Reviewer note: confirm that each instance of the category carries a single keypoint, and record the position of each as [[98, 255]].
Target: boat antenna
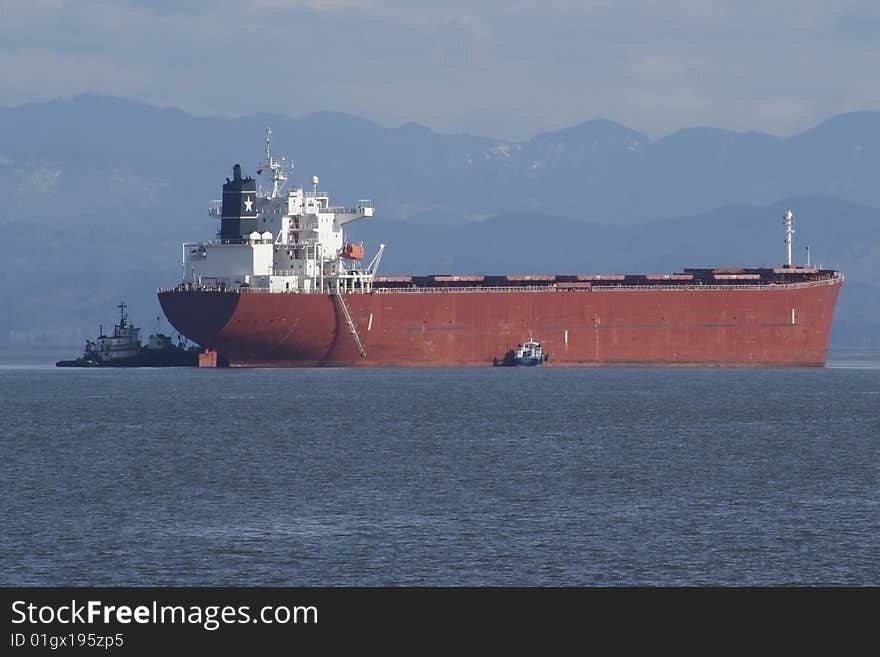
[[788, 223], [808, 255], [277, 167], [122, 316], [268, 144]]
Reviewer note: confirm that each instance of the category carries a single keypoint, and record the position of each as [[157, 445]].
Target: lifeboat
[[353, 251]]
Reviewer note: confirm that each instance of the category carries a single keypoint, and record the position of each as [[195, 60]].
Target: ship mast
[[788, 223], [277, 167]]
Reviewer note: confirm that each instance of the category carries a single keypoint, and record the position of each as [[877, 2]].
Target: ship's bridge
[[299, 244]]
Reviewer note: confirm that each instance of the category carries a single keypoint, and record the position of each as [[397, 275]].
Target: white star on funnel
[[248, 204]]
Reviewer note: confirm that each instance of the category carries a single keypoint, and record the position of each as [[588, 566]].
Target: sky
[[501, 68]]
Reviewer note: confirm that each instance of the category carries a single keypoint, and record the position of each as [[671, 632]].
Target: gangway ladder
[[351, 327]]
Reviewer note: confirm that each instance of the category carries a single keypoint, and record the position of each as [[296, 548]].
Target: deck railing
[[690, 287]]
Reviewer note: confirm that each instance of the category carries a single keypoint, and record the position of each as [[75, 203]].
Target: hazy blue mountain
[[100, 192], [98, 152], [840, 234]]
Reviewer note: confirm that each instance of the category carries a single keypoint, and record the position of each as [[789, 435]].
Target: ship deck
[[689, 280]]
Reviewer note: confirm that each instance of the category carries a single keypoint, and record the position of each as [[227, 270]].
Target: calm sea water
[[441, 477]]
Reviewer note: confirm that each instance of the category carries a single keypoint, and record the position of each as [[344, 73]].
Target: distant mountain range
[[597, 171], [100, 192]]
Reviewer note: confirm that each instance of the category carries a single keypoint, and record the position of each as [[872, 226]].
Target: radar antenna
[[279, 168], [788, 223]]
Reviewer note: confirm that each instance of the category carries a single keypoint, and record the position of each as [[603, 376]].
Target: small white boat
[[529, 353]]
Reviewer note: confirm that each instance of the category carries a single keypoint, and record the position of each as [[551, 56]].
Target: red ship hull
[[761, 325]]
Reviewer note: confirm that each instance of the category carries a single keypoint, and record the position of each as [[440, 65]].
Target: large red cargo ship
[[281, 287]]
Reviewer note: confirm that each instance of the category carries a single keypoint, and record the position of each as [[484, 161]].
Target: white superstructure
[[280, 239], [124, 343]]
